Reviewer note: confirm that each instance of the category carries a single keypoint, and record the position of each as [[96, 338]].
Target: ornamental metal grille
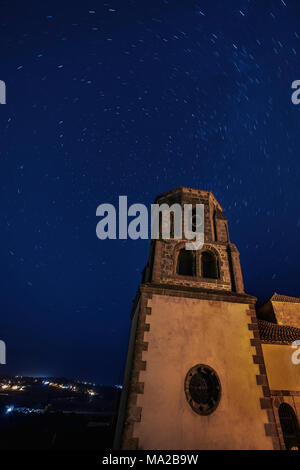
[[290, 426], [202, 389]]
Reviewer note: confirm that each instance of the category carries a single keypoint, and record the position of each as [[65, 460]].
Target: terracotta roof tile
[[273, 333], [284, 298]]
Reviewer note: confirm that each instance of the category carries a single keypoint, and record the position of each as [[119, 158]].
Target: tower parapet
[[216, 266]]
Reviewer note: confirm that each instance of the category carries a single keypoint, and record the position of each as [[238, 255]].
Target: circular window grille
[[202, 389]]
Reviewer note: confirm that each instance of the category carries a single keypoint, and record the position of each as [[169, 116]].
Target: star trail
[[135, 98]]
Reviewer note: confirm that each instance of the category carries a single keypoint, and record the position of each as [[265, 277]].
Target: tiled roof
[[273, 333], [284, 298]]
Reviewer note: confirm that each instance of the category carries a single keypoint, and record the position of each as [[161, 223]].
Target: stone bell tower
[[195, 375]]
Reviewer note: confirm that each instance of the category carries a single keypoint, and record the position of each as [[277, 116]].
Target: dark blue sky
[[135, 98]]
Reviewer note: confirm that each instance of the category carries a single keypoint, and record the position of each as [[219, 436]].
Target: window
[[209, 265], [290, 426], [197, 221], [202, 389], [185, 263]]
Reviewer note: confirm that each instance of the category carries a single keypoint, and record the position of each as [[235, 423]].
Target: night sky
[[136, 98]]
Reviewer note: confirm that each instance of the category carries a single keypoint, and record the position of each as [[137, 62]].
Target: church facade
[[205, 370]]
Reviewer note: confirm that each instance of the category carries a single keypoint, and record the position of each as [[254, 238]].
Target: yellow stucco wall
[[282, 373], [185, 332], [287, 313]]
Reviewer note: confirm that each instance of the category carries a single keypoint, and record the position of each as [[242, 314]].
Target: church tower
[[195, 376]]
